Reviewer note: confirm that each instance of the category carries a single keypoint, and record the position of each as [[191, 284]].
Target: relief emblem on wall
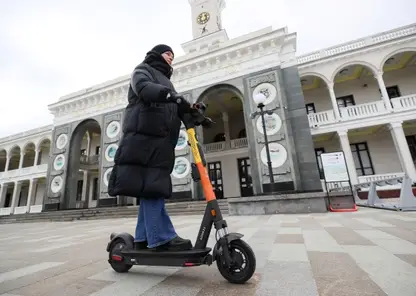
[[182, 140], [61, 141], [181, 167], [56, 184], [273, 124], [113, 129], [266, 89], [278, 155], [59, 162], [110, 152]]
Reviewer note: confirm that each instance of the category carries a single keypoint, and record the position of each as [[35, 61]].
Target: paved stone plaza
[[370, 252]]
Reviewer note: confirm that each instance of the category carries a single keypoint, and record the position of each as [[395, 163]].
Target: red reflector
[[116, 258], [189, 264]]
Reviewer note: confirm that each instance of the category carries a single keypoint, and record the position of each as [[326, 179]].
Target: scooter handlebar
[[194, 115]]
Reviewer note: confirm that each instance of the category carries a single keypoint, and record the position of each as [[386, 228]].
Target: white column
[[89, 140], [349, 159], [3, 192], [16, 193], [334, 101], [22, 155], [402, 148], [85, 188], [32, 184], [35, 163], [6, 168], [225, 120], [382, 86]]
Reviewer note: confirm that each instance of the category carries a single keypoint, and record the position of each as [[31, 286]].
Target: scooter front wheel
[[115, 260], [243, 266]]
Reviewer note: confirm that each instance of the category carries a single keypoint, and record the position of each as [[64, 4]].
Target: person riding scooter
[[146, 154]]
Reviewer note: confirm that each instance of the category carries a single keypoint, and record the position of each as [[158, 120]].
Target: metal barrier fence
[[405, 202]]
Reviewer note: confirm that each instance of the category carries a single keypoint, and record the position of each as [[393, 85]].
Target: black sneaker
[[177, 244], [140, 246]]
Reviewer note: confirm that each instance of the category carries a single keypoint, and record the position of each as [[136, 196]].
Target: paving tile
[[321, 241], [393, 275], [346, 236], [288, 252], [338, 274], [310, 223], [289, 239], [389, 242], [287, 278], [289, 230], [410, 225], [409, 258], [402, 233]]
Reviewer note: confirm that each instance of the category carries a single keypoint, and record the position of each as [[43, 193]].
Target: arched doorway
[[82, 185], [399, 72], [29, 151], [225, 143], [14, 156], [3, 160], [357, 91]]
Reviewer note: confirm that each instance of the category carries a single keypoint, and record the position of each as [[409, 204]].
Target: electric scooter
[[234, 257]]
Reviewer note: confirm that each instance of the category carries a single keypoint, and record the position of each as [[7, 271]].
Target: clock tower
[[206, 16]]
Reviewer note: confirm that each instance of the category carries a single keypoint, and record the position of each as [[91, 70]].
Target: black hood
[[156, 61]]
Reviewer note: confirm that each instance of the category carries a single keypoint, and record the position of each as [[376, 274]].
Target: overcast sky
[[50, 48]]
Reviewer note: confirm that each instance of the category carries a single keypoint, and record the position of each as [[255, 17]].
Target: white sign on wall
[[335, 167]]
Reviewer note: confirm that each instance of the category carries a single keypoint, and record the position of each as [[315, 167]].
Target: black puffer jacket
[[146, 153]]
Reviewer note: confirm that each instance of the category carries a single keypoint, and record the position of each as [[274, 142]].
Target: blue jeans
[[153, 223]]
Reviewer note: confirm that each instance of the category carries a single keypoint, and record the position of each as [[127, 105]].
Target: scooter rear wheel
[[116, 248], [244, 264]]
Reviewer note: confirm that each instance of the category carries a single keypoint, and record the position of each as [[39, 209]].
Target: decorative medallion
[[268, 90], [181, 168], [110, 152], [59, 162], [113, 129], [182, 140], [56, 184], [106, 177], [61, 141], [278, 155], [273, 124]]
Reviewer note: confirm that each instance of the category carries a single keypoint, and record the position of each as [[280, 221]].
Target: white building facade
[[358, 97]]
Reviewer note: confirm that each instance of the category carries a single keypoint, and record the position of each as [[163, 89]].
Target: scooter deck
[[160, 258], [195, 253]]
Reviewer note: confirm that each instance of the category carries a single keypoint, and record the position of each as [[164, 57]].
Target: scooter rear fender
[[126, 237]]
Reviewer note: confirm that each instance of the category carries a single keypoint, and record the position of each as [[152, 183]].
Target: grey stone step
[[179, 208]]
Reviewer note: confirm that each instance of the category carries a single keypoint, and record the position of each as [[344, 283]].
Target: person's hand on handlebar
[[183, 104]]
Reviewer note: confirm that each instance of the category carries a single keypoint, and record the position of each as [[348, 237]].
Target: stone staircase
[[174, 209]]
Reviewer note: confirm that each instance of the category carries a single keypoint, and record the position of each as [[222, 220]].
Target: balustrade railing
[[222, 146], [360, 111], [89, 160], [321, 118], [357, 44], [239, 143], [363, 110], [404, 103], [20, 174]]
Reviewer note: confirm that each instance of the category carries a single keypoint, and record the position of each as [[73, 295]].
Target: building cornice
[[40, 131], [372, 41], [242, 56], [252, 52]]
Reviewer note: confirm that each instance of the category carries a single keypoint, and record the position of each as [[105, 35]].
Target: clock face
[[203, 18]]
